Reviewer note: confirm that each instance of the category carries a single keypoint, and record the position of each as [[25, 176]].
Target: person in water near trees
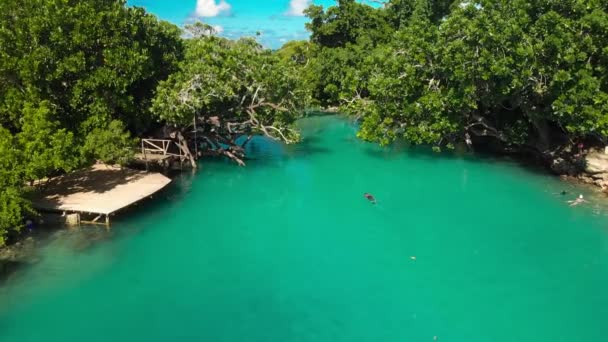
[[29, 224], [577, 201], [370, 197]]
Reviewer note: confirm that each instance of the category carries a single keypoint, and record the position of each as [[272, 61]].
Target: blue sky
[[278, 20]]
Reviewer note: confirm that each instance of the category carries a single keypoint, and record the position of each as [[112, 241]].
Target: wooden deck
[[152, 157], [165, 150], [100, 189]]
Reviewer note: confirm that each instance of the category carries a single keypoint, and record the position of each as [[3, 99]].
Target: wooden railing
[[158, 146], [161, 147]]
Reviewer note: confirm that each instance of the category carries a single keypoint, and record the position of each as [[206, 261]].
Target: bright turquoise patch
[[287, 249]]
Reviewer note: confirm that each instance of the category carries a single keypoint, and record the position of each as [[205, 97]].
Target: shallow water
[[287, 249]]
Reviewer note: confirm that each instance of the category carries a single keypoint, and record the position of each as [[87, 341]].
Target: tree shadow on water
[[267, 152], [426, 153]]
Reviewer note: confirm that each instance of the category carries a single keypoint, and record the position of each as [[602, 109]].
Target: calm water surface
[[287, 249]]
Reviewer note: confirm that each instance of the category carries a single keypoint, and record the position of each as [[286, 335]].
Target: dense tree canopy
[[74, 76], [523, 73], [231, 89], [78, 79], [341, 37], [93, 61], [346, 23]]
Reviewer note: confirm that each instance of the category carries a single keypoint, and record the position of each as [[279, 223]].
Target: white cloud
[[218, 29], [209, 8], [297, 7]]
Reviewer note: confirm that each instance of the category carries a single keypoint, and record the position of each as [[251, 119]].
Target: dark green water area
[[458, 248]]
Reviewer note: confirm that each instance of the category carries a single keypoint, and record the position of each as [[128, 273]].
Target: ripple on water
[[288, 249]]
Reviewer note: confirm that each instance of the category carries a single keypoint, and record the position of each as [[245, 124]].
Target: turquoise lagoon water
[[287, 249]]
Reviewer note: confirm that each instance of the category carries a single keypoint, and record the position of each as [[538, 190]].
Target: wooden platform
[[100, 189], [152, 157], [164, 151]]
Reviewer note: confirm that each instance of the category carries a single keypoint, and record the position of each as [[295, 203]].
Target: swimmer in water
[[577, 201], [370, 197], [29, 225], [564, 192]]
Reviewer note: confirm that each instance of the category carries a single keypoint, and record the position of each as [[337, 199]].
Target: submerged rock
[[21, 252], [14, 256]]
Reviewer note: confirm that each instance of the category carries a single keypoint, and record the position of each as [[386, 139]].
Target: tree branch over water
[[229, 89]]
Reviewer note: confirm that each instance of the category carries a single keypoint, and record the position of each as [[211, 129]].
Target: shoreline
[[26, 250], [23, 247], [589, 167], [16, 256], [23, 251]]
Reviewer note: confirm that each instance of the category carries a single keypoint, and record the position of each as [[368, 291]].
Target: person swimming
[[577, 201], [564, 192], [370, 197], [29, 224]]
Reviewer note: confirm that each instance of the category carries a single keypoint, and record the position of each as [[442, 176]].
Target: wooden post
[[143, 151], [108, 220], [183, 145], [72, 219]]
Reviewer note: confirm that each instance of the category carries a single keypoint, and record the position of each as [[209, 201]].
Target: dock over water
[[165, 151], [98, 190]]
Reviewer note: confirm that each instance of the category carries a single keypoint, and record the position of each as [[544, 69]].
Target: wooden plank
[[100, 189], [153, 157], [184, 148], [156, 147], [156, 140]]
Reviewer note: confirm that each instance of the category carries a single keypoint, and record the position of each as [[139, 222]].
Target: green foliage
[[331, 85], [12, 205], [449, 70], [402, 12], [296, 51], [346, 23], [237, 81], [111, 144], [47, 149], [78, 78], [75, 78], [93, 60], [343, 36], [199, 29], [11, 163]]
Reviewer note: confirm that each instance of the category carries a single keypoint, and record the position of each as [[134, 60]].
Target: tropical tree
[[12, 205], [92, 61], [76, 78], [229, 89], [524, 74]]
